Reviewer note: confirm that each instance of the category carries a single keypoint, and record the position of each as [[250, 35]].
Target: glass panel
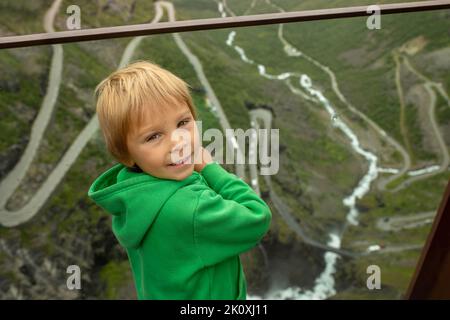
[[363, 118]]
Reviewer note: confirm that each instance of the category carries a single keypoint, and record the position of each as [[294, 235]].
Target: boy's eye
[[186, 121], [152, 137]]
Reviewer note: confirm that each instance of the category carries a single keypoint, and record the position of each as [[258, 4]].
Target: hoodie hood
[[134, 199]]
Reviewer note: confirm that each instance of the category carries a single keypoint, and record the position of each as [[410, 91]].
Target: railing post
[[431, 279]]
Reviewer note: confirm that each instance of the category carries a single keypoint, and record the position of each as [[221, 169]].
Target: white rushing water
[[324, 284]]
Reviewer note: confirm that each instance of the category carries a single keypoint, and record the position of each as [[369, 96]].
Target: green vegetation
[[442, 110], [12, 11], [115, 275], [405, 201], [21, 93], [416, 136], [397, 268]]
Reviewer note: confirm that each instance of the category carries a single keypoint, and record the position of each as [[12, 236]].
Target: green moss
[[30, 11], [27, 95], [442, 110], [91, 69], [396, 182], [415, 135], [114, 275]]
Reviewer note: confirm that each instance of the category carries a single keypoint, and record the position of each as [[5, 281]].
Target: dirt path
[[431, 106], [401, 98], [398, 223], [14, 177]]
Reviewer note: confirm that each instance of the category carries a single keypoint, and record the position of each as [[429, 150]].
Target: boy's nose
[[178, 148]]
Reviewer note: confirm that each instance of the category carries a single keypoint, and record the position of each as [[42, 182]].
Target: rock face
[[287, 265], [10, 156], [34, 264]]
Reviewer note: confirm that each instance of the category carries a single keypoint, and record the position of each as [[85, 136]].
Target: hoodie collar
[[134, 200]]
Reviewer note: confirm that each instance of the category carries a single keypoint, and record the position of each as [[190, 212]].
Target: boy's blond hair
[[124, 96]]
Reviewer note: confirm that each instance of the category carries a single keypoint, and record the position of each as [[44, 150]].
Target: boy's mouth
[[182, 162]]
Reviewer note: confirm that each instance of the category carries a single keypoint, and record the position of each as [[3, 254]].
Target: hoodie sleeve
[[230, 218]]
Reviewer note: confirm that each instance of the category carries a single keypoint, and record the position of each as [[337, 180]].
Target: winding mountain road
[[9, 184]]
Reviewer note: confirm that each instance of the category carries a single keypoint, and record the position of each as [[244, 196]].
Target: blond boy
[[182, 219]]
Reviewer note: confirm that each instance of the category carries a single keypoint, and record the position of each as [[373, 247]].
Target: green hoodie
[[183, 238]]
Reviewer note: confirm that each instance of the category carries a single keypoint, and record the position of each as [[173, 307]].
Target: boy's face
[[159, 142]]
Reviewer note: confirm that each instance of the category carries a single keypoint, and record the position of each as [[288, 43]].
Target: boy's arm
[[230, 218]]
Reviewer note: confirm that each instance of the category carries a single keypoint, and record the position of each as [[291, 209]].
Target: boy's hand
[[206, 158]]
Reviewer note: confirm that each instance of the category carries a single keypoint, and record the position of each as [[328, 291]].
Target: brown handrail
[[431, 279], [215, 23]]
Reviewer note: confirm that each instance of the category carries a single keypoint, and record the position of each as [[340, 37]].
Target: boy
[[182, 225]]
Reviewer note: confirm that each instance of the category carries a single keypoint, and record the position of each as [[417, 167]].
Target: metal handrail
[[215, 23]]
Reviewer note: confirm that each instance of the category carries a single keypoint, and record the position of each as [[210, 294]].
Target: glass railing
[[361, 108]]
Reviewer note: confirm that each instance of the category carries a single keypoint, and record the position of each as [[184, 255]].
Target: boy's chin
[[180, 173]]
